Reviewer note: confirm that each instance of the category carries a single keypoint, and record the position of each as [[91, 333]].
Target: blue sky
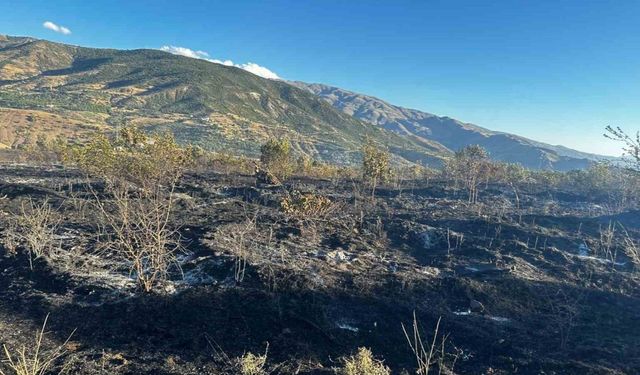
[[556, 71]]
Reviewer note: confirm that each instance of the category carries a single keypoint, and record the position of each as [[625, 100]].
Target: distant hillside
[[212, 105], [450, 133], [49, 89]]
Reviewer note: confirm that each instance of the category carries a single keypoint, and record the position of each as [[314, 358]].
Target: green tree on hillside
[[276, 157], [472, 166], [375, 164]]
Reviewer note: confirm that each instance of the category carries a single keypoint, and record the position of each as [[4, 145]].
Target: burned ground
[[525, 290]]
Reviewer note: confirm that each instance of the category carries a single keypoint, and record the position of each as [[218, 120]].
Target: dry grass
[[36, 361], [10, 239], [631, 248], [363, 363], [253, 364]]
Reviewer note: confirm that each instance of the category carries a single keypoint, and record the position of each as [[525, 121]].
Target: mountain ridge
[[451, 133], [225, 108]]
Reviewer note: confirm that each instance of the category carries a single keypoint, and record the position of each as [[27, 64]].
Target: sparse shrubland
[[533, 275], [532, 271]]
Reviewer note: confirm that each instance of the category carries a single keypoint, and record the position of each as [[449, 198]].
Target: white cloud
[[185, 52], [249, 67], [258, 70], [57, 28]]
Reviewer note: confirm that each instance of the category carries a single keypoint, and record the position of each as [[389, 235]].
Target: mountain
[[49, 88], [451, 133]]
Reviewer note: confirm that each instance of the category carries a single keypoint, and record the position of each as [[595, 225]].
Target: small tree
[[375, 165], [276, 157], [472, 166]]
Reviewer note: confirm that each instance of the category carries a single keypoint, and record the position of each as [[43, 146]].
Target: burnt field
[[533, 280]]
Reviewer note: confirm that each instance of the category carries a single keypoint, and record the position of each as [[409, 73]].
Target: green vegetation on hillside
[[147, 87]]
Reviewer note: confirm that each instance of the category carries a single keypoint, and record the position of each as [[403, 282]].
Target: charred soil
[[532, 289]]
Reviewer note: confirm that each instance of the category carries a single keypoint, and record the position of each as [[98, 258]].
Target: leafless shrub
[[564, 306], [140, 232], [432, 355], [240, 240], [631, 143], [78, 201], [38, 225], [34, 361], [34, 228]]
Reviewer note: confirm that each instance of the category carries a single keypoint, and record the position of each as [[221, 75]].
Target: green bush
[[276, 157], [375, 165]]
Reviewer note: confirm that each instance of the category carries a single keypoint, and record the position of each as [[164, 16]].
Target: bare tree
[[430, 355], [631, 142]]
